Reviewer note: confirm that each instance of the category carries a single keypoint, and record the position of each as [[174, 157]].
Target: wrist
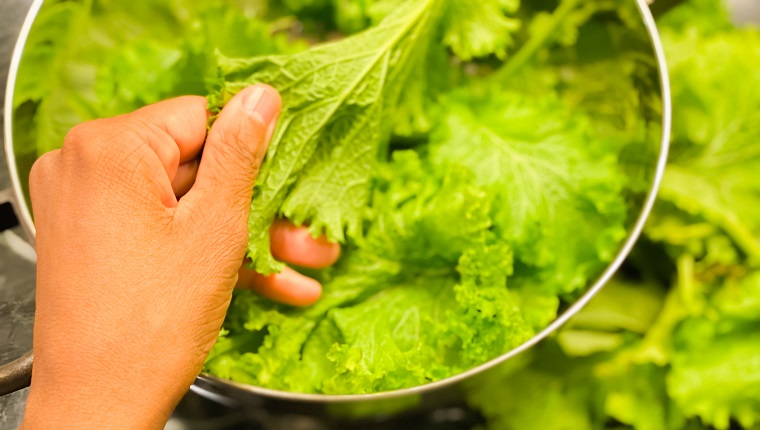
[[98, 372], [98, 401]]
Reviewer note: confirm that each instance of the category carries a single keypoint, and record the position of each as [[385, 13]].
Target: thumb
[[234, 149]]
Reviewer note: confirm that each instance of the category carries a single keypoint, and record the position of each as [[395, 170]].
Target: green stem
[[720, 215], [536, 42]]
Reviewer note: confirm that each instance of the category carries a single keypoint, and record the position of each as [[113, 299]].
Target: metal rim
[[612, 268], [18, 201]]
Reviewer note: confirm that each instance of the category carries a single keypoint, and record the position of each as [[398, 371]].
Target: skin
[[140, 242]]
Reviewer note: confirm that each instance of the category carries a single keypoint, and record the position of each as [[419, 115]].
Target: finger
[[234, 149], [118, 151], [184, 119], [175, 129], [295, 245], [185, 177], [288, 287]]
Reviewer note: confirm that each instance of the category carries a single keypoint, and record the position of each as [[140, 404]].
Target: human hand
[[133, 283], [292, 245]]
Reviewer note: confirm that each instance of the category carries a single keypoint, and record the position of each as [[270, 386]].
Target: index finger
[[175, 129], [184, 119]]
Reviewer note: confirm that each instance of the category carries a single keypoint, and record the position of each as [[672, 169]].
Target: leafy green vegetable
[[470, 157], [417, 297], [715, 132], [439, 290], [525, 151], [673, 344], [335, 96], [94, 58], [469, 29]]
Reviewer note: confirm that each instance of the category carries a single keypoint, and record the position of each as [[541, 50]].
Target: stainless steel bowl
[[356, 407]]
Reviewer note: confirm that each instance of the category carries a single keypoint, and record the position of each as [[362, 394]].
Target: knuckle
[[108, 153], [91, 141], [79, 135], [84, 144], [42, 168]]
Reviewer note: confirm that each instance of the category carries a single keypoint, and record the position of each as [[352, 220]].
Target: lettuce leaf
[[414, 300], [558, 186], [469, 209], [88, 59], [331, 131], [469, 29], [715, 152], [673, 343]]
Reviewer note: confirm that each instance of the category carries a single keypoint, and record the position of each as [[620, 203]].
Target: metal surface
[[22, 209], [17, 268], [745, 11], [16, 374], [393, 402]]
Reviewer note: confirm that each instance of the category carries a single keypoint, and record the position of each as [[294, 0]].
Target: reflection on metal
[[16, 374], [22, 209], [745, 11], [18, 245]]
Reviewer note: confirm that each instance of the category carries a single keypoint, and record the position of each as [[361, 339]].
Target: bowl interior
[[642, 158]]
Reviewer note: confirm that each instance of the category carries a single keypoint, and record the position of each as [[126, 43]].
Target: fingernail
[[263, 101]]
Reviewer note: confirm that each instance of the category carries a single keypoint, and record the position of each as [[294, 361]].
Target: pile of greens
[[480, 161], [674, 343]]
